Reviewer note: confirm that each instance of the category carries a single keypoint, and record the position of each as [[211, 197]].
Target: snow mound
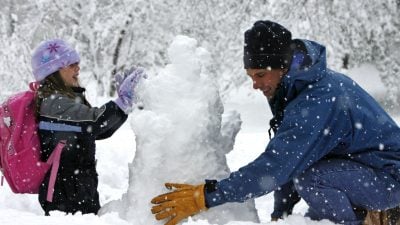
[[182, 136]]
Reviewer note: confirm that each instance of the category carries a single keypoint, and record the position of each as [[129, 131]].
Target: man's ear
[[284, 71]]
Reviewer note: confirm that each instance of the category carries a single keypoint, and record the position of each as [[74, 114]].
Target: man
[[334, 146]]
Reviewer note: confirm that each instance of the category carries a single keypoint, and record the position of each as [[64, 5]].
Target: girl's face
[[70, 75]]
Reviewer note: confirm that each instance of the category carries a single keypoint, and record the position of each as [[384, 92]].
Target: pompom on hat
[[50, 56], [267, 44]]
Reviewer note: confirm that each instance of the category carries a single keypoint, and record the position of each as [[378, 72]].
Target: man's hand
[[184, 201]]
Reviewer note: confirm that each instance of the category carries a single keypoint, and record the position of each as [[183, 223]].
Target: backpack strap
[[54, 160], [6, 121], [4, 133]]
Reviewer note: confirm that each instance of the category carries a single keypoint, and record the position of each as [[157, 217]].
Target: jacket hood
[[311, 68]]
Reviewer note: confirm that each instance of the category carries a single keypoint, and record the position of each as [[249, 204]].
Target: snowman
[[182, 135]]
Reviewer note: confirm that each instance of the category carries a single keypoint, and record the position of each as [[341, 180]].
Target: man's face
[[266, 80]]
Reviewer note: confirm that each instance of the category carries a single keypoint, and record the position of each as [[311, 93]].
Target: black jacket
[[63, 118]]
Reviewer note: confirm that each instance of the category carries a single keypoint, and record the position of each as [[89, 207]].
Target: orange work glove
[[186, 200]]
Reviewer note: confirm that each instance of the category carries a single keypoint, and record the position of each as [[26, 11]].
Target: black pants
[[73, 192]]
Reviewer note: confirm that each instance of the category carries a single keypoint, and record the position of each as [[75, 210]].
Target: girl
[[64, 113]]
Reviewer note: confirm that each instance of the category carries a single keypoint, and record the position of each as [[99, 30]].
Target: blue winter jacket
[[327, 115]]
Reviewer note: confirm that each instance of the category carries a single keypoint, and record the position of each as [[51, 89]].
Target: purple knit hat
[[50, 56]]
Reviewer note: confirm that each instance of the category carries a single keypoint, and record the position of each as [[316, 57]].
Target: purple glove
[[126, 85], [120, 77]]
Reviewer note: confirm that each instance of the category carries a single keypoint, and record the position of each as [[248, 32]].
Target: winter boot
[[384, 217]]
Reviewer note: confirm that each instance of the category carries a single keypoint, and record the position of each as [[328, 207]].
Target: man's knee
[[324, 172]]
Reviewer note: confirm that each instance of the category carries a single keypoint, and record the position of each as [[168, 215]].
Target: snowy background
[[362, 41], [112, 35]]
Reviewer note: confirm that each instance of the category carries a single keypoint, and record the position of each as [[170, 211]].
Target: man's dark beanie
[[267, 44]]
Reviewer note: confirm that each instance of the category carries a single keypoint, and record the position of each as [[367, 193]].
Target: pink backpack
[[20, 146]]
